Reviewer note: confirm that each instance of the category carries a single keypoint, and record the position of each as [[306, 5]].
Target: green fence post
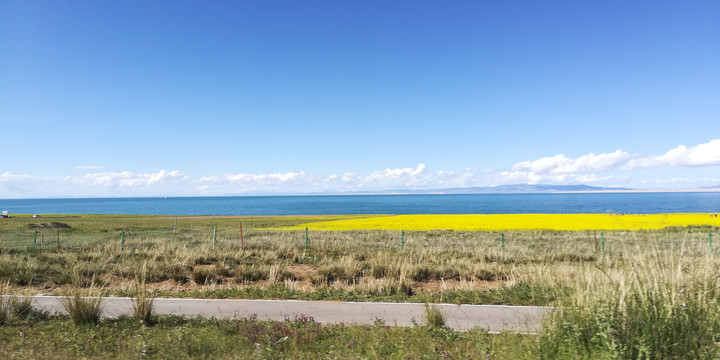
[[502, 241], [709, 241], [34, 239], [122, 241], [402, 239], [306, 237], [602, 242], [214, 234]]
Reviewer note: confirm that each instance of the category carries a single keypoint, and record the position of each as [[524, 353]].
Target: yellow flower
[[514, 222]]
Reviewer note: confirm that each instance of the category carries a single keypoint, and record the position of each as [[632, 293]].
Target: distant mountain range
[[525, 188], [502, 189]]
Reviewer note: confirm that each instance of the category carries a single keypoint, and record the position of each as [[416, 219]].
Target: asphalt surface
[[495, 318]]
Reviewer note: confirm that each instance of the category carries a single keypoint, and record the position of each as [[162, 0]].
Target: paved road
[[459, 317]]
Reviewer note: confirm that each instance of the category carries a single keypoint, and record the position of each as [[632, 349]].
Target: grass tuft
[[143, 300], [434, 317], [662, 308], [83, 309]]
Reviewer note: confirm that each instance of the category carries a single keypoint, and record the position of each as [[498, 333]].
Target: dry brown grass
[[365, 261]]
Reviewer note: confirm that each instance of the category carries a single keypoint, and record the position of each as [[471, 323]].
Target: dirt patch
[[436, 286], [302, 271], [302, 274]]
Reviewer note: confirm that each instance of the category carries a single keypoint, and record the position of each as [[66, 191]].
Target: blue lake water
[[631, 203]]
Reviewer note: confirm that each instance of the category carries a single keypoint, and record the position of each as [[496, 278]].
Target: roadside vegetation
[[300, 338], [618, 294]]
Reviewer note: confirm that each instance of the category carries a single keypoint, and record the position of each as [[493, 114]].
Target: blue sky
[[145, 98]]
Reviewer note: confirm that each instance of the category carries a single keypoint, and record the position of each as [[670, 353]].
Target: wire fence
[[696, 241]]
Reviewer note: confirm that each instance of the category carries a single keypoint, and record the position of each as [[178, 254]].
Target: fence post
[[214, 233], [602, 242], [306, 237], [34, 239], [122, 241], [710, 241], [175, 227], [597, 245], [242, 242], [403, 240], [502, 241], [58, 238]]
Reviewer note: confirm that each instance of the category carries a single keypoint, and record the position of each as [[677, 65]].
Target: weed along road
[[459, 317]]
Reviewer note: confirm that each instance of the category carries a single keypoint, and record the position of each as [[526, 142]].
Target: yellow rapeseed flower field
[[570, 222]]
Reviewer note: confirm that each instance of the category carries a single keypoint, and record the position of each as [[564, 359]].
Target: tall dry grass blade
[[434, 317], [82, 307], [143, 301]]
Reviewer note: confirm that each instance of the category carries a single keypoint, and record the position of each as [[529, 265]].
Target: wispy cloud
[[94, 184], [303, 182], [128, 179], [244, 183]]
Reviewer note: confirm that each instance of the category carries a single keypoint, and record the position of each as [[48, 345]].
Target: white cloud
[[561, 164], [243, 183], [8, 176], [276, 178], [394, 177], [605, 169], [128, 179], [404, 174], [303, 182], [707, 154], [563, 169]]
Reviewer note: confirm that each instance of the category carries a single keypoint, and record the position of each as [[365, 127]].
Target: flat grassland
[[624, 286]]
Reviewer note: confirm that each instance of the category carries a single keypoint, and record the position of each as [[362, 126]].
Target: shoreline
[[393, 193]]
